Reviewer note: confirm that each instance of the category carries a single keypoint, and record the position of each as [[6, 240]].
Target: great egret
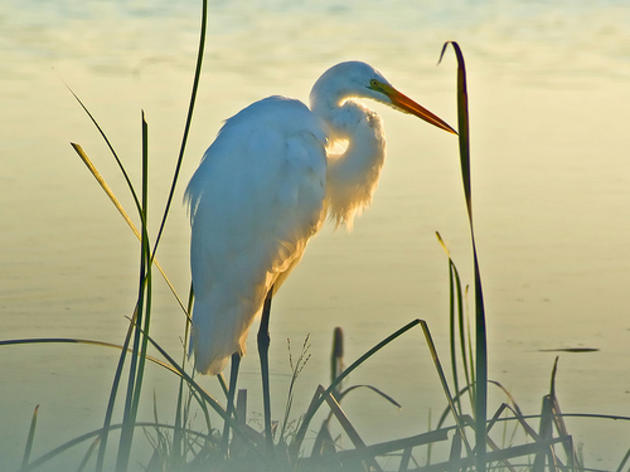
[[264, 187]]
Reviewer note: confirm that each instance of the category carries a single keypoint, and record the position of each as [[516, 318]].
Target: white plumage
[[264, 187]]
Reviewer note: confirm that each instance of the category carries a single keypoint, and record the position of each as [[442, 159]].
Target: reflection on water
[[549, 96]]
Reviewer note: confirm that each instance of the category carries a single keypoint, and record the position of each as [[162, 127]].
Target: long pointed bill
[[406, 104]]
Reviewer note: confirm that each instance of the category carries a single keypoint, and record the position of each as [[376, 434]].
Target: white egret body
[[265, 186]]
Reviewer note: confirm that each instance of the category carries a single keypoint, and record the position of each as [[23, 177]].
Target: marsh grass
[[472, 439]]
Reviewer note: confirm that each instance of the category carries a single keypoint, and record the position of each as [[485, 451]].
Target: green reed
[[481, 348]]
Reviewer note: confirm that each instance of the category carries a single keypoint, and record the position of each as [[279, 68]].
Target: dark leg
[[263, 351], [236, 361]]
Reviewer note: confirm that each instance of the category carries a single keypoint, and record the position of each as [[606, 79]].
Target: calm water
[[549, 101]]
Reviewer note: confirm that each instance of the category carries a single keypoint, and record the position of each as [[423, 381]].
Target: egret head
[[358, 79]]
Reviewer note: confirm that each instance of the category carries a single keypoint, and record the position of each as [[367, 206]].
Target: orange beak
[[406, 104]]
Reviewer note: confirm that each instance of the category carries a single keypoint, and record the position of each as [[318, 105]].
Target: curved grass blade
[[98, 433], [143, 311], [462, 123], [379, 392], [481, 354], [172, 366], [191, 107], [11, 342]]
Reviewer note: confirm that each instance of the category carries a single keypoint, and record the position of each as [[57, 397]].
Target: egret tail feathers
[[216, 337]]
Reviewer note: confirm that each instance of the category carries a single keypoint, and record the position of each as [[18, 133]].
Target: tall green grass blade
[[138, 312], [148, 276], [100, 458], [136, 368], [463, 125], [481, 354], [189, 115], [30, 438], [191, 107]]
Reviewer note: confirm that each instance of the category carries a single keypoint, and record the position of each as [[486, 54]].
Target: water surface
[[548, 96]]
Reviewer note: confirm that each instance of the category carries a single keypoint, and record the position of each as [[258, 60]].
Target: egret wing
[[255, 200]]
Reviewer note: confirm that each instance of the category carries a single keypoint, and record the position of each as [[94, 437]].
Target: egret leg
[[236, 361], [263, 351]]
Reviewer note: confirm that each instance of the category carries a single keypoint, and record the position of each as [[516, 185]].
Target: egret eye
[[375, 85]]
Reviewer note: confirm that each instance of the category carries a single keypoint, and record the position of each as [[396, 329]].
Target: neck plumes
[[352, 175]]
